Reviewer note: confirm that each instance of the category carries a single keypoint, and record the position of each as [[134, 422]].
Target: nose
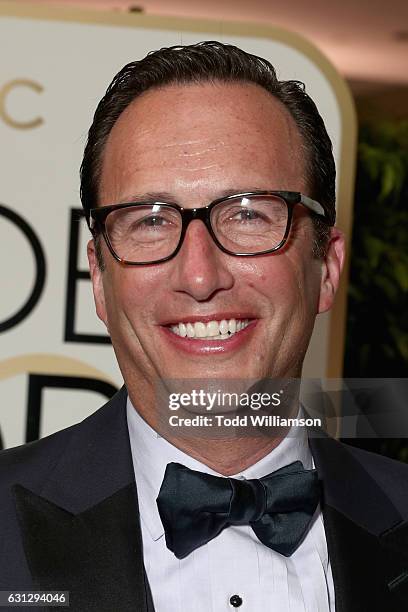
[[200, 267]]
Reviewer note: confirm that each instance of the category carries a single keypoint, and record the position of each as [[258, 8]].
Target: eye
[[243, 216], [151, 221], [246, 214]]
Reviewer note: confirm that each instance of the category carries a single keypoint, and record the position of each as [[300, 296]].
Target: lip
[[218, 316], [202, 346]]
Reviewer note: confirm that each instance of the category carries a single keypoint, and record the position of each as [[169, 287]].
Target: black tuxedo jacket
[[69, 520]]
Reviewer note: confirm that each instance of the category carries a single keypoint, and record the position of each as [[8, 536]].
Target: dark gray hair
[[205, 62]]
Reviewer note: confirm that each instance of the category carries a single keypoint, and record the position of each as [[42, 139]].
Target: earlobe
[[332, 266], [97, 282]]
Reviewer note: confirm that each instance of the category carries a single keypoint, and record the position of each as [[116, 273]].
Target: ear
[[332, 265], [97, 282]]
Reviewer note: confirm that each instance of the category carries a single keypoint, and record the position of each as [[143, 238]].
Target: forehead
[[202, 133]]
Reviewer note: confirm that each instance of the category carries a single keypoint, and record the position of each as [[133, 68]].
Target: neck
[[227, 457], [226, 450]]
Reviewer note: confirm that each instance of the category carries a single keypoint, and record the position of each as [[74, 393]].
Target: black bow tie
[[195, 507]]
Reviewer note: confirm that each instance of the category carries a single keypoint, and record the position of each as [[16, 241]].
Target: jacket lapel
[[81, 531], [366, 537]]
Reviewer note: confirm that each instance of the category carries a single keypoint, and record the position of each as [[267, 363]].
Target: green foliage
[[377, 320], [377, 329]]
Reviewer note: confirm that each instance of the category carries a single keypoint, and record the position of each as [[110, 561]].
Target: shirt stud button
[[236, 601]]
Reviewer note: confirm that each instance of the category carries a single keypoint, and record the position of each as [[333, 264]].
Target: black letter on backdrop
[[36, 384], [74, 275], [38, 286]]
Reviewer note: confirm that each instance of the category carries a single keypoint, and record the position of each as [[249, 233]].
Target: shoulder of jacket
[[389, 474], [34, 456]]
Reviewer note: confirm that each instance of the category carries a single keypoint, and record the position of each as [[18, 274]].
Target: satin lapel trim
[[368, 572], [96, 555], [353, 554], [395, 542]]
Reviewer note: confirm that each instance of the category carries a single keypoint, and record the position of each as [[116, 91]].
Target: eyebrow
[[167, 197], [149, 196]]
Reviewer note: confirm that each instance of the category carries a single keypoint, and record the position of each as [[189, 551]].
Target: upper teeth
[[214, 330]]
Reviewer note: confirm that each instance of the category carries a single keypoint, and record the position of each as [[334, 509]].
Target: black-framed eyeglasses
[[243, 224]]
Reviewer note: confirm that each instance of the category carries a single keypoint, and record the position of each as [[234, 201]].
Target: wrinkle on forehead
[[191, 143], [195, 151]]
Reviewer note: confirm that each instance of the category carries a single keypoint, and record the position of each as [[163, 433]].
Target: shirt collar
[[151, 453]]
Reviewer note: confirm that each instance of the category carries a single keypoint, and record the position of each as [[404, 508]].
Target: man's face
[[192, 144]]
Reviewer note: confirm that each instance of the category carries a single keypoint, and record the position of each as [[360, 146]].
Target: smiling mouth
[[213, 330]]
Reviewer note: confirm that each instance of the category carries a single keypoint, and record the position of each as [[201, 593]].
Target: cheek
[[131, 294], [288, 283], [272, 275], [263, 279]]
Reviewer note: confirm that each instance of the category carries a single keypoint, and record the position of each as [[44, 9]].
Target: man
[[208, 186]]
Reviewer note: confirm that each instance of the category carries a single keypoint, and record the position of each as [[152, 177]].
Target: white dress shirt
[[235, 562]]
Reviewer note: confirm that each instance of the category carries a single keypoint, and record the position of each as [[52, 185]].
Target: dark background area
[[377, 313]]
